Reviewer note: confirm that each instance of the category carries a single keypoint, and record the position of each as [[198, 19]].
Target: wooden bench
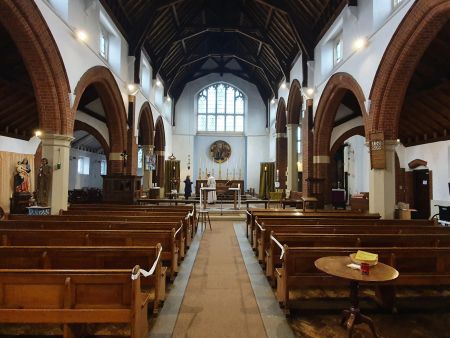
[[418, 266], [294, 213], [115, 222], [56, 224], [40, 237], [264, 230], [73, 298], [74, 258], [278, 240]]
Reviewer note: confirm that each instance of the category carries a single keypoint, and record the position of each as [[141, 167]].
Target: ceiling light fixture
[[38, 133], [309, 91], [158, 83], [283, 85], [360, 43]]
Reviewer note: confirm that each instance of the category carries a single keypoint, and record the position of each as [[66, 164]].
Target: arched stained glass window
[[220, 107]]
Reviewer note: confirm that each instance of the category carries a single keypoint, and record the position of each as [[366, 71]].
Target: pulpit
[[121, 188]]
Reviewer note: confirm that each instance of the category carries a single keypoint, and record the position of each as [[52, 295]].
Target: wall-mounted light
[[168, 99], [360, 43], [81, 35], [38, 133], [272, 101], [132, 88], [283, 85], [309, 92], [158, 83]]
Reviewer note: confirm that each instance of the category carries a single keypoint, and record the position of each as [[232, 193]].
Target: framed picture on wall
[[150, 162]]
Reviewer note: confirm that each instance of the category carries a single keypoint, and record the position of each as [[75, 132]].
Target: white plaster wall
[[357, 164], [255, 139], [373, 19], [100, 126], [19, 146], [94, 179], [437, 155], [78, 56], [342, 128]]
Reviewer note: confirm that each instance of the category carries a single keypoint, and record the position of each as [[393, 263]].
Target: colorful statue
[[22, 177]]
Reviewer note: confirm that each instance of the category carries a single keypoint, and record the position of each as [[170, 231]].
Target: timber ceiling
[[18, 111], [426, 112], [264, 37]]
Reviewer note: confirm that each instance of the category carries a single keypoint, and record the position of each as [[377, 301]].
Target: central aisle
[[219, 299]]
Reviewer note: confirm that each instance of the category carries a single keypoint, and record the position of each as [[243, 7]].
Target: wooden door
[[421, 193]]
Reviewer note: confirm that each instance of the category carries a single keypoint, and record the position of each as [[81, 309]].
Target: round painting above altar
[[220, 151]]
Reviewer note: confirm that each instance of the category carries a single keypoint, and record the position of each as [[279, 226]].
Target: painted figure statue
[[43, 183], [22, 176]]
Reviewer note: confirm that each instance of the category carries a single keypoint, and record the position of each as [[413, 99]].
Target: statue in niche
[[22, 176], [43, 183]]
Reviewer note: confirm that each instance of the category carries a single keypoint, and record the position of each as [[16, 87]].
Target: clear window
[[220, 107], [299, 140], [103, 167], [337, 50], [83, 165], [104, 43]]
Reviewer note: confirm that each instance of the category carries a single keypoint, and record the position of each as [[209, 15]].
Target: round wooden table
[[337, 266]]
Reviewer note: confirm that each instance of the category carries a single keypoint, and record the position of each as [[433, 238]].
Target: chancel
[[160, 160]]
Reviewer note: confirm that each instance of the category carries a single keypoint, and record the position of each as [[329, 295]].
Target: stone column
[[292, 168], [281, 158], [382, 185], [56, 148], [147, 180], [132, 146]]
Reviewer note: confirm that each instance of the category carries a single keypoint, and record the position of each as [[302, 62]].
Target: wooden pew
[[187, 225], [82, 258], [261, 235], [252, 214], [40, 237], [48, 296], [278, 240], [54, 223], [418, 266]]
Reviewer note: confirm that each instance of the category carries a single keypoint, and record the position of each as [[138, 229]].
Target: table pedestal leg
[[353, 316]]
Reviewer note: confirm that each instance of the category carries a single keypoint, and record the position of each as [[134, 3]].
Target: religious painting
[[150, 162], [220, 151]]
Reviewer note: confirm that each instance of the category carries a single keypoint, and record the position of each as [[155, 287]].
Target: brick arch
[[280, 124], [281, 143], [160, 146], [146, 124], [413, 36], [294, 104], [30, 33], [359, 130], [106, 86], [349, 133], [331, 98], [79, 125]]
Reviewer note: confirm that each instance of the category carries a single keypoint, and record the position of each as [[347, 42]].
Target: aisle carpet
[[219, 300]]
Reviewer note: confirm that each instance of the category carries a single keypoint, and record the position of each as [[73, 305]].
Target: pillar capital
[[280, 135], [56, 140], [321, 159]]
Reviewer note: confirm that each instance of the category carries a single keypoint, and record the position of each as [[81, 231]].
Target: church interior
[[240, 168]]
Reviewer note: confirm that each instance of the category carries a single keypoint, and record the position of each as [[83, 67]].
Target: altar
[[222, 187]]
